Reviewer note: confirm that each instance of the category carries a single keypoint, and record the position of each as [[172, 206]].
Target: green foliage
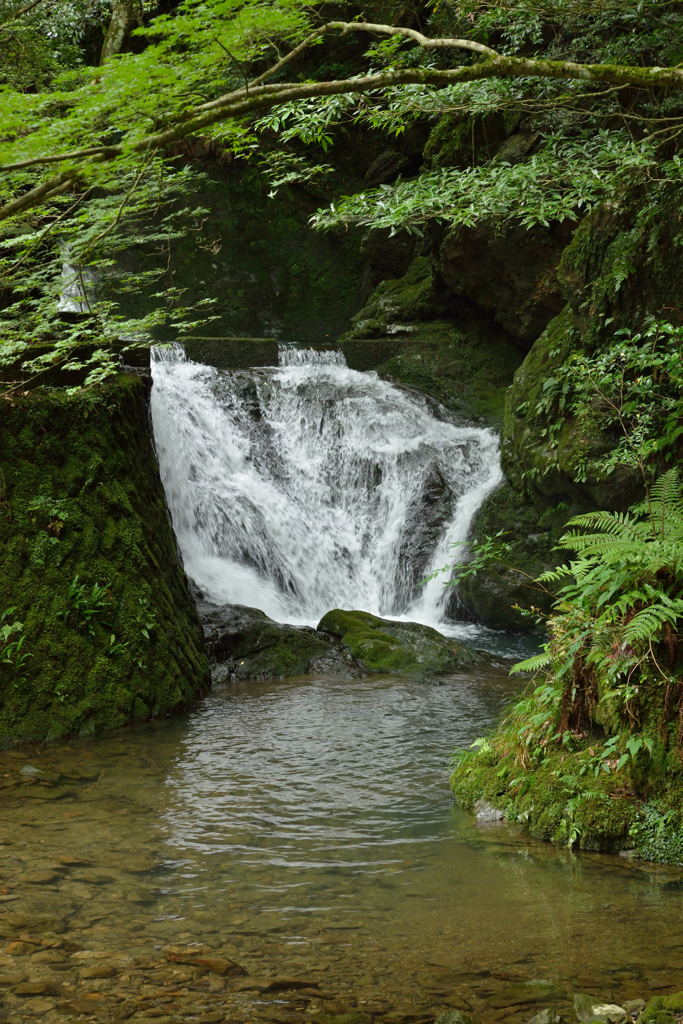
[[88, 605], [12, 642], [658, 834], [140, 199], [630, 390], [38, 44], [561, 182], [621, 602], [481, 555], [591, 753]]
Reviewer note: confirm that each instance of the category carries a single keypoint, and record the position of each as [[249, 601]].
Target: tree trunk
[[124, 15]]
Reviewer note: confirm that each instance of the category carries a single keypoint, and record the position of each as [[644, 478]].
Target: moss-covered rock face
[[89, 569], [663, 1010], [619, 268], [397, 648], [597, 816], [496, 595], [397, 304], [405, 333], [551, 455], [624, 262]]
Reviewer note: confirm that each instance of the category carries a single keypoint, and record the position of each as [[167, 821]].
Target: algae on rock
[[398, 648], [90, 568]]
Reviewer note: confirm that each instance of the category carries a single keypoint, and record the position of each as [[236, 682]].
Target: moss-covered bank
[[99, 625], [609, 786]]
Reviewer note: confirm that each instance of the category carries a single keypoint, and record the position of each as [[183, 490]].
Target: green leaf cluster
[[615, 628], [629, 392]]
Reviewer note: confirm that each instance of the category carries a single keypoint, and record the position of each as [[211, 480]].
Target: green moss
[[577, 792], [663, 1009], [467, 141], [401, 648], [551, 797], [89, 561]]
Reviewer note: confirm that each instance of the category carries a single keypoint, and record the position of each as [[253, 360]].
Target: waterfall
[[311, 486]]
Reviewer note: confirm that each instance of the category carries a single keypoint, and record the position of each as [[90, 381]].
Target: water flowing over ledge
[[310, 486]]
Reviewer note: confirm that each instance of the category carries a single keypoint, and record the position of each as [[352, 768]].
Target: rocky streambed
[[289, 852]]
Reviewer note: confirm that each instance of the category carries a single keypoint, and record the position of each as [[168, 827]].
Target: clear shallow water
[[306, 828]]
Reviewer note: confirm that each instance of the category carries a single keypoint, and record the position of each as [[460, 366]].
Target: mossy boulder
[[243, 643], [89, 568], [555, 802], [397, 648], [407, 333], [398, 303], [663, 1010]]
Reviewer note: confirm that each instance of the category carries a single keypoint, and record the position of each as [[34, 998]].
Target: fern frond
[[646, 623], [532, 664]]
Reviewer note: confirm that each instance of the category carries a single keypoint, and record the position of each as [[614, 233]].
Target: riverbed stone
[[589, 1010], [397, 648], [454, 1017], [546, 1017], [486, 813], [38, 987]]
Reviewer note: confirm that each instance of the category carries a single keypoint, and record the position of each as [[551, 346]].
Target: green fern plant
[[617, 620]]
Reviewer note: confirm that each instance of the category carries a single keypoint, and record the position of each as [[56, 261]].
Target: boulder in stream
[[397, 648], [243, 643]]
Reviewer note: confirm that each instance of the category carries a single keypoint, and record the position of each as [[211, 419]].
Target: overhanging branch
[[259, 94]]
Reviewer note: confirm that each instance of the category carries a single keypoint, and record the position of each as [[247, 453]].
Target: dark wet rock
[[510, 274], [426, 518], [386, 167], [399, 648], [497, 593], [247, 644]]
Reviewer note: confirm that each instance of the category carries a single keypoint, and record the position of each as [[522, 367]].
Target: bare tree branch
[[417, 37]]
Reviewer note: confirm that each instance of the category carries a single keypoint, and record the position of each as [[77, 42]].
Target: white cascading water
[[311, 486]]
